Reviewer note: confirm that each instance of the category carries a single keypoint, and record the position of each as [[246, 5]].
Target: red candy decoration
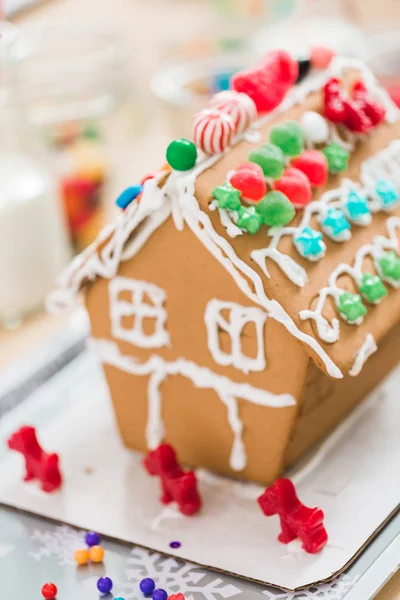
[[39, 465], [359, 113], [313, 163], [49, 591], [321, 57], [296, 186], [176, 484], [249, 179], [177, 597], [268, 83], [297, 520]]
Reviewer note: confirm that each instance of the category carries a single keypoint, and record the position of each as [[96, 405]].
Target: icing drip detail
[[238, 317], [139, 309], [158, 370], [329, 332], [367, 349]]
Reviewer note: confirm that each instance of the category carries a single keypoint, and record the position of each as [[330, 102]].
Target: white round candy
[[315, 127]]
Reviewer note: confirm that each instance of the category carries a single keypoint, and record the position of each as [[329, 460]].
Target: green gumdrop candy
[[270, 158], [275, 209], [337, 157], [289, 137], [181, 155]]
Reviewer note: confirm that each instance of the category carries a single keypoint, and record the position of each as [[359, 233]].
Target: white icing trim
[[139, 309], [104, 263], [367, 349], [330, 332], [239, 316], [159, 369]]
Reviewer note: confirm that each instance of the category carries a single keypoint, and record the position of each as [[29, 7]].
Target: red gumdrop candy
[[321, 57], [268, 83], [296, 186], [249, 179], [313, 163]]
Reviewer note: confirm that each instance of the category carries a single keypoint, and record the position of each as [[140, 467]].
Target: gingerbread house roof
[[267, 266]]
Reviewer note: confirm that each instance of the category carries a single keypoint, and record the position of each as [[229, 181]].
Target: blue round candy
[[128, 196], [147, 585], [104, 585], [92, 539], [119, 598], [159, 594]]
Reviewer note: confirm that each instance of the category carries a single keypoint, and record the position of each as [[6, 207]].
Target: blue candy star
[[309, 243], [387, 193], [336, 224], [357, 206]]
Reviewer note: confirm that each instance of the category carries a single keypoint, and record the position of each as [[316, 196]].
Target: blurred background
[[91, 93]]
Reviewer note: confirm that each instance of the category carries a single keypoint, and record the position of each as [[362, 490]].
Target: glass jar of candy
[[73, 80], [33, 238]]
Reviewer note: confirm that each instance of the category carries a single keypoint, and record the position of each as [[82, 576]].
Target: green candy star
[[351, 307], [337, 157], [389, 264], [372, 288], [249, 219], [227, 196]]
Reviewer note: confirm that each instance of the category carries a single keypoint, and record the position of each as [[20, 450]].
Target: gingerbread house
[[237, 331]]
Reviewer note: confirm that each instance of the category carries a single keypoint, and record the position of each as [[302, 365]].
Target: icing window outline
[[146, 302], [239, 316]]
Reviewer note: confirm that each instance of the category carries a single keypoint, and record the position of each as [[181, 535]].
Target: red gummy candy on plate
[[313, 163], [296, 186], [249, 179], [268, 83]]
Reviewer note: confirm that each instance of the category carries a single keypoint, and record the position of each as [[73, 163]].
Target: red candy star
[[249, 179], [314, 165], [297, 520], [268, 83]]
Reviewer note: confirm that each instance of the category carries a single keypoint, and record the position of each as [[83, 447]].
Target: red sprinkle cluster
[[357, 111]]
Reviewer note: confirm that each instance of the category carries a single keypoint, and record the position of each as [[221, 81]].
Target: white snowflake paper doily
[[174, 576], [61, 542], [334, 590]]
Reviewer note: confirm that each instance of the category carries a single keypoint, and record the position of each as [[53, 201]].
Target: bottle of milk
[[33, 239]]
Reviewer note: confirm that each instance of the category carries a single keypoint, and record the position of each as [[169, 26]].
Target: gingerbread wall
[[196, 419]]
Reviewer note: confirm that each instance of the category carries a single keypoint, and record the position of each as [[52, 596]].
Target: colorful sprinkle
[[372, 288], [81, 556], [96, 554], [179, 596], [147, 585], [49, 591], [128, 196], [175, 545], [159, 594], [181, 155], [351, 308], [92, 539], [104, 585]]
